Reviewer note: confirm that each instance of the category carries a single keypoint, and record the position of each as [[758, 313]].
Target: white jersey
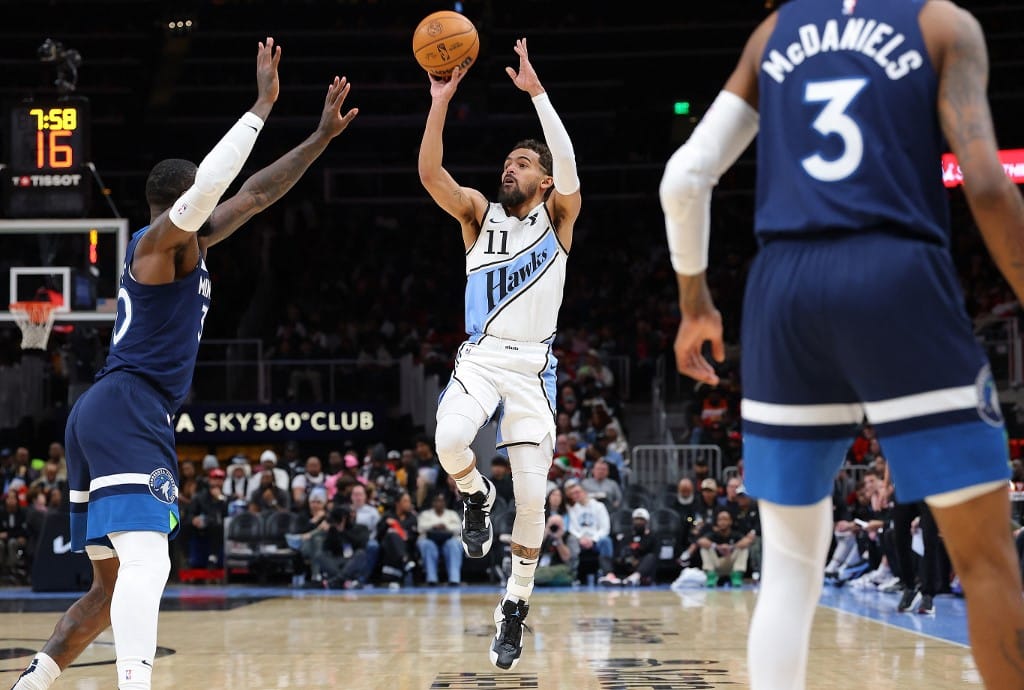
[[515, 272]]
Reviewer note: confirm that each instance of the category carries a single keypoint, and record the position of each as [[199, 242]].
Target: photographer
[[559, 555], [206, 514], [635, 559], [342, 556]]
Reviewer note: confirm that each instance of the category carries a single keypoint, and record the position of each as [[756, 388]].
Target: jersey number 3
[[837, 96]]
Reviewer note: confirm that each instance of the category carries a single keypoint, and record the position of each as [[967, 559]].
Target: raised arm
[[565, 200], [466, 205], [268, 185], [967, 123], [157, 254], [725, 131]]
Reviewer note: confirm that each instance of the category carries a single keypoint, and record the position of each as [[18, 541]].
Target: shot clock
[[48, 149]]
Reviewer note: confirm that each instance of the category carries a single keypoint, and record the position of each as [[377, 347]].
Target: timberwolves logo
[[161, 485], [988, 398]]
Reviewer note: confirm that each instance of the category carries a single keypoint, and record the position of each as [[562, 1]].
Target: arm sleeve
[[563, 159], [722, 135]]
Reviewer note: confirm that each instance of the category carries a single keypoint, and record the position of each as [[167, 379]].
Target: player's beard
[[512, 196]]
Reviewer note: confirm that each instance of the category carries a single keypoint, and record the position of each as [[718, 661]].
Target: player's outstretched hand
[[441, 87], [332, 122], [696, 329], [526, 78], [267, 59]]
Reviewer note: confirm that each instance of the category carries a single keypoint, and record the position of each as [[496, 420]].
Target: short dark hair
[[168, 180], [541, 149]]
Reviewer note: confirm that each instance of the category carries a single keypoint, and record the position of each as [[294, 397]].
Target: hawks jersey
[[850, 137], [515, 272], [158, 328]]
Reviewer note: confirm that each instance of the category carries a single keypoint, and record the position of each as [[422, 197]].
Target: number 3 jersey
[[515, 272], [158, 328], [849, 135]]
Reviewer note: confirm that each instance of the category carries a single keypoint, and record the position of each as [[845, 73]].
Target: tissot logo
[[46, 180]]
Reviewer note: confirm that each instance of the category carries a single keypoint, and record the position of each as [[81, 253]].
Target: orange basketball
[[445, 40]]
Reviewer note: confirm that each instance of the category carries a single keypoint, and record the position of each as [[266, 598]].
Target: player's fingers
[[277, 55], [718, 348], [349, 116], [343, 94], [511, 72]]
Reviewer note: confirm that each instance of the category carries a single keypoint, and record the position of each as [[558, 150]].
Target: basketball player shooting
[[516, 251], [853, 305], [122, 464]]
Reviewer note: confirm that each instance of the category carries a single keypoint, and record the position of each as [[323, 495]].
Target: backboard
[[76, 260]]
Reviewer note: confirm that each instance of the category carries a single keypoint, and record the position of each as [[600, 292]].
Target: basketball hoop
[[35, 319]]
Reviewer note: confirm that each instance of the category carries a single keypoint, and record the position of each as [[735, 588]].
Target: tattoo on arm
[[523, 552], [962, 101]]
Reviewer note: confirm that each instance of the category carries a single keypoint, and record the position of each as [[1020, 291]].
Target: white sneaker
[[633, 580], [610, 579], [891, 584]]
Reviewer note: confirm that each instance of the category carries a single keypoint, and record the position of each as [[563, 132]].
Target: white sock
[[39, 675], [135, 604], [471, 483], [794, 545], [520, 583]]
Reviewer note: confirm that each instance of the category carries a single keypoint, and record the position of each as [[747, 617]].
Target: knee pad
[[452, 438], [530, 483], [143, 554]]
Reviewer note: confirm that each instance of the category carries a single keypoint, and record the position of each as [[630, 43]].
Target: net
[[35, 319]]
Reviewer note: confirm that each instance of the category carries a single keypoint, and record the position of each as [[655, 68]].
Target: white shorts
[[517, 376]]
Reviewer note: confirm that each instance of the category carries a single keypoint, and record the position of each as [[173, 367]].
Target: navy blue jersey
[[158, 328], [849, 137]]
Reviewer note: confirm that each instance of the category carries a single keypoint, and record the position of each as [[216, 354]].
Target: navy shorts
[[839, 327], [122, 464]]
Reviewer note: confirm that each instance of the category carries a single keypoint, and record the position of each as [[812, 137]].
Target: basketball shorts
[[515, 378], [842, 327], [122, 464]]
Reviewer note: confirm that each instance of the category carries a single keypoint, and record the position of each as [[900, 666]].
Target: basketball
[[445, 40]]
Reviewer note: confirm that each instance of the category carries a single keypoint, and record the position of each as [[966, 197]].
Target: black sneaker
[[927, 605], [909, 600], [476, 522], [507, 646]]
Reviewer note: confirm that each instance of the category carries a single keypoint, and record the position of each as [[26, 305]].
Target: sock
[[520, 583], [471, 483], [39, 675], [135, 604]]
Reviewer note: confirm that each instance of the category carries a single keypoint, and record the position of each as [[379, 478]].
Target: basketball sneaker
[[911, 598], [507, 646], [476, 522], [927, 605]]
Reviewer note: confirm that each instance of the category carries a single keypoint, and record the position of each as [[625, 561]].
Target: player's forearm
[[694, 295], [563, 158], [1000, 217], [272, 182], [262, 108], [432, 146]]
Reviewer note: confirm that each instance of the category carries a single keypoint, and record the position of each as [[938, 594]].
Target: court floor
[[609, 639]]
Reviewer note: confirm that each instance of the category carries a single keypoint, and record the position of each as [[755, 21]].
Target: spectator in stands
[[313, 476], [397, 534], [635, 558], [501, 478], [714, 408], [379, 473], [49, 480], [555, 505], [595, 369], [55, 453], [267, 494], [559, 552], [568, 403], [440, 531], [729, 500], [724, 550], [856, 533], [598, 485], [210, 462], [590, 524], [563, 423], [13, 539], [268, 463], [707, 501], [23, 465], [366, 514], [701, 471], [206, 515], [342, 556], [748, 521], [236, 486], [686, 505], [616, 442], [429, 475]]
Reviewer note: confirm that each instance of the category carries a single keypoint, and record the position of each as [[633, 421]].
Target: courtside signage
[[215, 423], [1012, 160]]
